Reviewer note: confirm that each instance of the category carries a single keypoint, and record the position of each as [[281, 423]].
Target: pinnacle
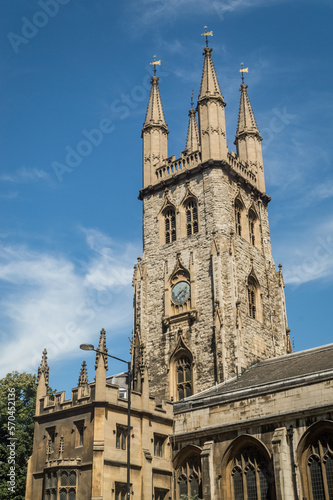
[[246, 121], [209, 83], [83, 378], [103, 349], [155, 114], [192, 143], [43, 368]]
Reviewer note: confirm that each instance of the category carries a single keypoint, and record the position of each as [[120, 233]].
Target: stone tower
[[208, 301]]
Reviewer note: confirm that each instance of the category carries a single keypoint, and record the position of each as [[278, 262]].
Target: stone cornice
[[245, 424]]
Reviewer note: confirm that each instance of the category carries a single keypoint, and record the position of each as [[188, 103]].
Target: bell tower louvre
[[208, 300]]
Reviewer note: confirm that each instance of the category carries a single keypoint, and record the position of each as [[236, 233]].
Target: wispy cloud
[[49, 301], [152, 10], [25, 174], [309, 253]]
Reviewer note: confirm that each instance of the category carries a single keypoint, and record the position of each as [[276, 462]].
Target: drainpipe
[[290, 433]]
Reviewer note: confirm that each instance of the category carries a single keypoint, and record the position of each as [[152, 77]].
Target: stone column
[[208, 484], [282, 465]]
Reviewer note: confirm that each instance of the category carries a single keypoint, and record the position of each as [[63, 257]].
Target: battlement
[[81, 396], [173, 166]]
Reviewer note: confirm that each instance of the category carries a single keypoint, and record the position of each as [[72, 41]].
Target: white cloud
[[308, 256], [48, 301]]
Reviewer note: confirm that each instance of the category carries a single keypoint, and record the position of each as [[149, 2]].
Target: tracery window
[[252, 298], [63, 481], [191, 210], [184, 377], [320, 468], [238, 217], [250, 477], [189, 479], [170, 225], [252, 222]]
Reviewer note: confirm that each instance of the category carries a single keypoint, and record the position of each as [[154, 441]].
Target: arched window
[[248, 471], [238, 217], [319, 467], [184, 377], [72, 478], [170, 225], [250, 476], [63, 495], [252, 298], [191, 210], [189, 477], [64, 478], [252, 228]]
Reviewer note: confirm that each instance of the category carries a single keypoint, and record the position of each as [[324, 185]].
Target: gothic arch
[[253, 226], [167, 221], [189, 214], [253, 297], [315, 459], [187, 466], [181, 371], [247, 464], [239, 213]]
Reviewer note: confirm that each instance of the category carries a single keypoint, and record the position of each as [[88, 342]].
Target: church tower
[[208, 301]]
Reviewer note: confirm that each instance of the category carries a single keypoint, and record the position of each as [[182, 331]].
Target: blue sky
[[70, 233]]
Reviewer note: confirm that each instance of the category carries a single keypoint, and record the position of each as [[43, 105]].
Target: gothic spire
[[212, 130], [248, 139], [102, 348], [155, 114], [209, 83], [246, 121], [43, 369], [154, 133], [83, 378], [192, 143]]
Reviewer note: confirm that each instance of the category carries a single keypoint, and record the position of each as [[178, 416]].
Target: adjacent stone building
[[221, 407]]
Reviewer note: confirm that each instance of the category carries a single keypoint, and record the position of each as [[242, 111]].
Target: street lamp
[[90, 347]]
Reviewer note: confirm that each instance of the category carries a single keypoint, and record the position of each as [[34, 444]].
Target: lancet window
[[170, 225], [191, 210], [184, 377], [253, 297], [251, 294], [238, 217], [252, 222]]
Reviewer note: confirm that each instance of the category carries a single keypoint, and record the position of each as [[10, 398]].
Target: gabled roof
[[270, 375]]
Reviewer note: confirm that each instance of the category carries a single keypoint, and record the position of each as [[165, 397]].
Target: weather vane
[[207, 34], [243, 70], [192, 99], [155, 63]]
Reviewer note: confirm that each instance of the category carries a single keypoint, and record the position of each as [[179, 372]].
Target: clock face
[[180, 292]]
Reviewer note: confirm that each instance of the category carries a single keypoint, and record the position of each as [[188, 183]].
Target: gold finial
[[207, 34], [243, 70], [155, 63]]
